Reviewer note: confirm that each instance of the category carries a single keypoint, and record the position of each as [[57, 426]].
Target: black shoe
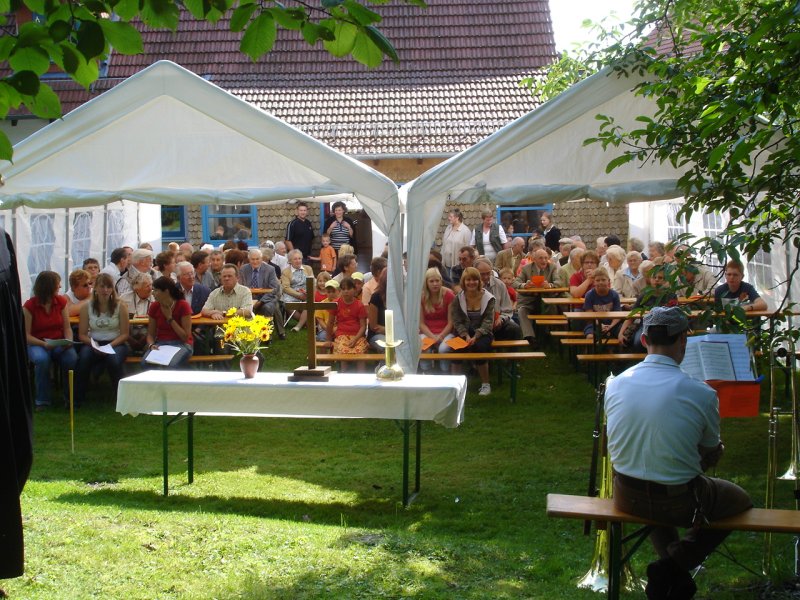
[[281, 336], [532, 342], [667, 581]]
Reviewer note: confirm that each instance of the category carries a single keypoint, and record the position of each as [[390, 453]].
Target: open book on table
[[718, 356]]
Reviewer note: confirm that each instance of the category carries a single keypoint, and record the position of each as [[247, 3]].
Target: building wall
[[590, 219]]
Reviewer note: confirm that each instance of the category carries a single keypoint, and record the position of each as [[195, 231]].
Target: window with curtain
[[115, 231], [81, 237], [43, 237]]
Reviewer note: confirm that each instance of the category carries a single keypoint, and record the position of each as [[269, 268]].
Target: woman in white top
[[104, 321], [489, 238]]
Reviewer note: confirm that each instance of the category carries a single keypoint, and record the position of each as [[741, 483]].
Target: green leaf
[[25, 82], [288, 19], [91, 41], [31, 34], [127, 9], [241, 16], [11, 97], [197, 8], [31, 58], [124, 37], [345, 39], [160, 13], [366, 51], [618, 161], [313, 32], [700, 84], [716, 155], [383, 44], [6, 151], [45, 104], [69, 58], [59, 30], [36, 6], [6, 46], [5, 6], [360, 13], [259, 37]]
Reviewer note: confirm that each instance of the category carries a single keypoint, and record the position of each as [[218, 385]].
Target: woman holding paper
[[49, 335], [472, 313], [435, 324], [103, 329], [169, 326]]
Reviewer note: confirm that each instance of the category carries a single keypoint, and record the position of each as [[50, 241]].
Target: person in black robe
[[16, 442]]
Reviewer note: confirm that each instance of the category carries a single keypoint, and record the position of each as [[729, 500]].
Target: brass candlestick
[[390, 370]]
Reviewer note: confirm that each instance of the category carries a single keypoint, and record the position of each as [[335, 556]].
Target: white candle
[[389, 324]]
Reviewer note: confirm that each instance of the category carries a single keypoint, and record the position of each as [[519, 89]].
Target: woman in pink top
[[170, 322], [435, 322], [47, 328]]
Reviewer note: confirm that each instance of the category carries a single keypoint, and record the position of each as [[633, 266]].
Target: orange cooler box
[[737, 398]]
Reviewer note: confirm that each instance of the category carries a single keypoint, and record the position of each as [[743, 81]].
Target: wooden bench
[[606, 517], [495, 344], [584, 341], [511, 357]]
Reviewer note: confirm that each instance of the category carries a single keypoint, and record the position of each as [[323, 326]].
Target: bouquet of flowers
[[246, 336]]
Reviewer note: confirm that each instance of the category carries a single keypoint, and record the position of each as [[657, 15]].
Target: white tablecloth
[[438, 398]]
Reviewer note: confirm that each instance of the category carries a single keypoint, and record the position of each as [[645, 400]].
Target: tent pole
[[105, 236], [67, 239]]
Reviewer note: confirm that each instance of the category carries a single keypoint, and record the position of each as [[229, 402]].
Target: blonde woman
[[472, 313], [103, 320], [435, 320]]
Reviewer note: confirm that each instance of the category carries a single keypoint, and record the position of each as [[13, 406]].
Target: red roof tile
[[457, 80]]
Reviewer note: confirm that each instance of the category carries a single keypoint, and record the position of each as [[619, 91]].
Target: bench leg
[[614, 559]]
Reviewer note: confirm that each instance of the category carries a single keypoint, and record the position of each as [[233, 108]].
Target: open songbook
[[718, 356]]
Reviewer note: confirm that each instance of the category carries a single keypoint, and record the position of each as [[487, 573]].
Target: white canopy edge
[[168, 136], [539, 158]]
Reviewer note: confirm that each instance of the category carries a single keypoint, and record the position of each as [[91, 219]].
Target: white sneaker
[[485, 390]]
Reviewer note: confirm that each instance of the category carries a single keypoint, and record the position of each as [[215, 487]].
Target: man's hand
[[709, 457]]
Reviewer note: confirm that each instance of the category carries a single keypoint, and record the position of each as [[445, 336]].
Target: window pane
[[81, 237], [42, 241], [522, 220], [225, 228], [116, 225]]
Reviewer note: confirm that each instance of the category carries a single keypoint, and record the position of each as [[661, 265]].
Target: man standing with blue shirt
[[663, 432]]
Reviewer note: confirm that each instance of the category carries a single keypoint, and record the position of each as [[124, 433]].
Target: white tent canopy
[[539, 158], [167, 136]]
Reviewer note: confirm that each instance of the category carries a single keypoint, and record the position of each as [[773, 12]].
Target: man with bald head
[[531, 304], [258, 274], [510, 257]]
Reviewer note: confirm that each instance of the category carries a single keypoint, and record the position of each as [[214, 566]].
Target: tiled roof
[[457, 80]]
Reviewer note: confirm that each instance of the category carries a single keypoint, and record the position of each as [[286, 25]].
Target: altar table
[[178, 395]]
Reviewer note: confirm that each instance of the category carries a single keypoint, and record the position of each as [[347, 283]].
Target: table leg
[[513, 376], [408, 498], [190, 449], [165, 450]]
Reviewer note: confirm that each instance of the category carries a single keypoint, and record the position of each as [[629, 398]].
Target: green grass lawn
[[304, 508]]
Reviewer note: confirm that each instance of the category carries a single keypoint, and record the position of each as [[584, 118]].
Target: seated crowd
[[468, 294]]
